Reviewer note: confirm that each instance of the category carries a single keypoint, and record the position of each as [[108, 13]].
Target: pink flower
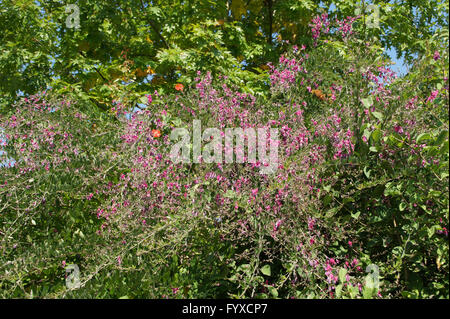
[[311, 223], [424, 162], [149, 98], [350, 243], [277, 225], [436, 55], [433, 95], [398, 129]]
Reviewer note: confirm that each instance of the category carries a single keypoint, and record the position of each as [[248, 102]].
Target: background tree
[[125, 49]]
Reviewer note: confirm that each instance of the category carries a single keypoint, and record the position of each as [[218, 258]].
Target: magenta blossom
[[398, 129], [436, 55], [277, 225], [433, 95]]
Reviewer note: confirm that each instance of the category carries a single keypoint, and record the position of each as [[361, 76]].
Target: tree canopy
[[125, 48]]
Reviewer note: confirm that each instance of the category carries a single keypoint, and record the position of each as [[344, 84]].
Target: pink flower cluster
[[320, 25]]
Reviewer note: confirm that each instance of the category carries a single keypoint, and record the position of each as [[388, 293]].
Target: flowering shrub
[[361, 184]]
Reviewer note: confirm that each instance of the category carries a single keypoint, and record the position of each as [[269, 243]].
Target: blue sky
[[400, 66]]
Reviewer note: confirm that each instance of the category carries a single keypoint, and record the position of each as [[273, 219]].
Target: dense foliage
[[125, 49], [362, 181]]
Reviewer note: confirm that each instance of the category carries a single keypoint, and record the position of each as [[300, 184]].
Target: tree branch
[[152, 24], [269, 7], [97, 70]]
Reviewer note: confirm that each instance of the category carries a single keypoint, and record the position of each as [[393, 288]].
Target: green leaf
[[229, 194], [143, 100], [432, 230], [444, 148], [423, 137], [441, 138], [342, 273], [367, 172], [273, 291], [378, 115], [368, 292], [356, 215], [376, 135], [266, 270], [367, 133], [353, 291], [339, 290], [367, 102]]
